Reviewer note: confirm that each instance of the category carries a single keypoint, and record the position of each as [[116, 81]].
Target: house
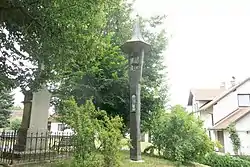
[[199, 98], [16, 114], [55, 126], [218, 109]]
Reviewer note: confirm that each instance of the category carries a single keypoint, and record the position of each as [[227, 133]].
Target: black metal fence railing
[[36, 147]]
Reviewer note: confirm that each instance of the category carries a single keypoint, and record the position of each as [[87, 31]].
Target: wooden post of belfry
[[135, 48]]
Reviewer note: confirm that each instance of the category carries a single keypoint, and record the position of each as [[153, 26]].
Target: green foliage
[[6, 102], [149, 150], [215, 160], [244, 157], [16, 108], [179, 136], [78, 44], [65, 36], [98, 137], [107, 80], [234, 138], [217, 144], [15, 124], [150, 161]]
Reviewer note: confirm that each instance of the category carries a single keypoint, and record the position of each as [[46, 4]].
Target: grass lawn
[[125, 162], [148, 161]]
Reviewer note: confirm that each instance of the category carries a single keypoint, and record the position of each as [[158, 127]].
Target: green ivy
[[234, 138]]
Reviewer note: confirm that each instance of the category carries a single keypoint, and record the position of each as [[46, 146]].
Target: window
[[244, 100], [61, 127]]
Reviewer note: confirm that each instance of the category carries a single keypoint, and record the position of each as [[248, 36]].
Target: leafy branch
[[234, 138]]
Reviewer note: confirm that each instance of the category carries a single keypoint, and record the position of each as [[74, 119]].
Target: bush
[[244, 157], [179, 136], [6, 102], [15, 124], [98, 137], [215, 160]]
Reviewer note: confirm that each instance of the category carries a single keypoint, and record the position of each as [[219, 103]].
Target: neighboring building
[[16, 114], [231, 105], [56, 126], [200, 97]]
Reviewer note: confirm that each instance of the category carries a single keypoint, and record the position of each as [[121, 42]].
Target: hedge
[[244, 157], [216, 160]]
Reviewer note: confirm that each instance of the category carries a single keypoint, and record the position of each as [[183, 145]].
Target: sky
[[208, 42]]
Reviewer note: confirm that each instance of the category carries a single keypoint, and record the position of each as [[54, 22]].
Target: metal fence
[[37, 147]]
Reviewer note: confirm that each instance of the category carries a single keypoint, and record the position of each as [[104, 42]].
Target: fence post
[[13, 139]]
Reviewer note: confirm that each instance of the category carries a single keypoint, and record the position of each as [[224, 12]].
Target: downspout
[[212, 116]]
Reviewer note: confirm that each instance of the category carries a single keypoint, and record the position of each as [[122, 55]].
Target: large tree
[[107, 82], [47, 40], [6, 102]]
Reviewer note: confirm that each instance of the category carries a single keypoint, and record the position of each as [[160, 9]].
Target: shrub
[[149, 150], [64, 163], [6, 102], [179, 136], [216, 160], [98, 138], [244, 157], [15, 124]]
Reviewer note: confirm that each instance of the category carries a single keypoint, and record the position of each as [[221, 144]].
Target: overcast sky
[[209, 44]]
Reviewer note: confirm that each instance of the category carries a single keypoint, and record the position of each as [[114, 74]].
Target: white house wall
[[197, 104], [194, 103], [245, 146], [229, 103], [206, 117], [228, 146], [54, 127], [242, 126], [202, 102], [225, 106]]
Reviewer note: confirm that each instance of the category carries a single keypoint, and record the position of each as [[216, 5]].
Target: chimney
[[223, 85], [233, 81]]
